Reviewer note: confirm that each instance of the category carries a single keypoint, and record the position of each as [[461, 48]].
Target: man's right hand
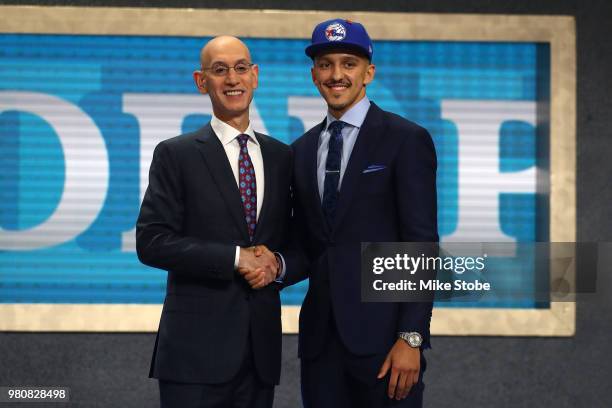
[[258, 266]]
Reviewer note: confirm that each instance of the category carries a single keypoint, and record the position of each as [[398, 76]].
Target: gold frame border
[[558, 31]]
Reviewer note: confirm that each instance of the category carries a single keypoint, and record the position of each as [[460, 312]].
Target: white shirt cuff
[[237, 257]]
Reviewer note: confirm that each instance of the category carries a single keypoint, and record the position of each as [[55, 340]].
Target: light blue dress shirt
[[353, 118]]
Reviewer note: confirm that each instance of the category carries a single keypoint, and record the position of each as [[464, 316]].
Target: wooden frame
[[558, 31]]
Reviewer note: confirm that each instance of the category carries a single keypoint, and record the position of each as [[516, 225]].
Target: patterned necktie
[[247, 184], [332, 171]]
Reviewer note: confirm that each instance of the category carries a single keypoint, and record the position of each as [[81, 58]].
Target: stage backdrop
[[85, 96]]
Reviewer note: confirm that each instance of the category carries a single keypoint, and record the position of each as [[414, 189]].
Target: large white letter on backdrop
[[86, 171]]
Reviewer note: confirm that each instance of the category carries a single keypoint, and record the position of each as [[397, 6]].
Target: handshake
[[259, 266]]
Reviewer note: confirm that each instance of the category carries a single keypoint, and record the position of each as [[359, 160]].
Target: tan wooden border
[[558, 31]]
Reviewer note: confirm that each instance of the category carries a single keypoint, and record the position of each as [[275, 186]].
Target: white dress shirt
[[227, 136]]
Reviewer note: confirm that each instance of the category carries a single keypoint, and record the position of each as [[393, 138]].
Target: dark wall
[[109, 370]]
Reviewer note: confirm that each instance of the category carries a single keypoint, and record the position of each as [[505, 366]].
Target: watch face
[[414, 340]]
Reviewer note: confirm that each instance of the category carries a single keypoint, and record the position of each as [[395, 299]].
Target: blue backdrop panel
[[95, 73]]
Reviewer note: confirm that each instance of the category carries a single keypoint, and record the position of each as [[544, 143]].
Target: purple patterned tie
[[247, 184]]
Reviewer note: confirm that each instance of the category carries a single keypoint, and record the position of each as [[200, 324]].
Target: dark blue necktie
[[332, 171]]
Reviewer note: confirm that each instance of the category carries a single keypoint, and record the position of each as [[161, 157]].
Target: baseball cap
[[340, 33]]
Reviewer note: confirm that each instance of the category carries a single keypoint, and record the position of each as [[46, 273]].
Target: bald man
[[213, 196]]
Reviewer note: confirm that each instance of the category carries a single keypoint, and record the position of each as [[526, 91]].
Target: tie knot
[[243, 139], [336, 127]]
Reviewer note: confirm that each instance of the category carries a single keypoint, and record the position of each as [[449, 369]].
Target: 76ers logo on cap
[[335, 32]]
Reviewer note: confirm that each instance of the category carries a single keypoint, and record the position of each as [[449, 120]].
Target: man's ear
[[255, 69], [369, 76], [200, 82]]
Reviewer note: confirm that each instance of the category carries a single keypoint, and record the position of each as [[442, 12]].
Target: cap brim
[[315, 49]]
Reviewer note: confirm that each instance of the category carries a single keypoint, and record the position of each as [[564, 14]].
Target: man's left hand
[[405, 363]]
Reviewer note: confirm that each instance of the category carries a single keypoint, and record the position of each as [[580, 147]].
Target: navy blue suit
[[190, 223], [397, 202]]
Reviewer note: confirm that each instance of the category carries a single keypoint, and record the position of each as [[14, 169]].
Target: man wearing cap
[[361, 175], [212, 195]]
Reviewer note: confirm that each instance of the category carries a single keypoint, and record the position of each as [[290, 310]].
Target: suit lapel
[[371, 129], [270, 184], [215, 158]]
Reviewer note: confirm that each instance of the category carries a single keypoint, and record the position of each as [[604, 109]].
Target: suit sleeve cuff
[[281, 275]]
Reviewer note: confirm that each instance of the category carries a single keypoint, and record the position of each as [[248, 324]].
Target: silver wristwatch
[[413, 339]]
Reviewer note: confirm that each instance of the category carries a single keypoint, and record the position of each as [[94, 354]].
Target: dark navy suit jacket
[[397, 202], [190, 223]]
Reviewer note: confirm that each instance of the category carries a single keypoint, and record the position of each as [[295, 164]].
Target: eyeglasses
[[221, 70]]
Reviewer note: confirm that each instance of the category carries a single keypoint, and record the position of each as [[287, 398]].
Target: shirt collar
[[354, 116], [227, 133]]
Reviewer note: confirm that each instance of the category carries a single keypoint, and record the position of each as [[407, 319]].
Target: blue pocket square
[[374, 167]]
